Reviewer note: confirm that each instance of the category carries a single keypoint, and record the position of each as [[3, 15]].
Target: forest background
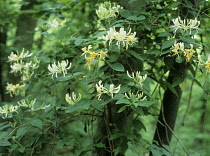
[[73, 82]]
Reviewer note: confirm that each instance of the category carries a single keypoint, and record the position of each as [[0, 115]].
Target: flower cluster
[[106, 10], [60, 68], [6, 111], [185, 25], [122, 37], [179, 48], [137, 77], [135, 97], [102, 90], [93, 57], [73, 99], [18, 64], [13, 89]]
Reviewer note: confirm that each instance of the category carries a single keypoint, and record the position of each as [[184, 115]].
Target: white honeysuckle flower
[[137, 77], [113, 90], [111, 35], [188, 24], [16, 67], [106, 10], [27, 103], [25, 54], [13, 89], [102, 90], [60, 68], [16, 57], [54, 23], [63, 66], [122, 37], [13, 57], [73, 99], [135, 97], [7, 110], [53, 69]]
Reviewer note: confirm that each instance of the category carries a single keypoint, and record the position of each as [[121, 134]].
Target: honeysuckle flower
[[16, 57], [102, 90], [13, 89], [177, 48], [13, 57], [16, 67], [186, 25], [86, 50], [130, 40], [106, 10], [135, 97], [189, 53], [73, 99], [113, 90], [27, 103], [122, 37], [60, 68], [92, 57], [7, 110], [137, 77]]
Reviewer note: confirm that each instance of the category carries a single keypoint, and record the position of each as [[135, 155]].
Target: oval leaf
[[117, 66]]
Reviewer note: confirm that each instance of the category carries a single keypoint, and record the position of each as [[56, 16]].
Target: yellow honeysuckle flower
[[189, 53]]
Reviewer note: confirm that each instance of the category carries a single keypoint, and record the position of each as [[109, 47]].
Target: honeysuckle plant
[[101, 80]]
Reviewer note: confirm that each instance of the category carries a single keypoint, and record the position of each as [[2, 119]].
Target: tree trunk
[[169, 108], [3, 36], [25, 27]]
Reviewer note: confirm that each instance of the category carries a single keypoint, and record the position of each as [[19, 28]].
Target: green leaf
[[69, 76], [138, 125], [100, 145], [175, 4], [171, 88], [37, 123], [4, 143], [168, 43], [122, 108], [123, 101], [135, 55], [125, 13], [164, 34], [135, 18], [187, 39], [116, 135], [145, 103], [117, 66], [62, 1], [179, 59], [22, 149], [177, 81], [21, 131], [114, 56], [99, 104], [83, 104]]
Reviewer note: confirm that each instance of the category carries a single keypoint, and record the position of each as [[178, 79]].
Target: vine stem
[[56, 118]]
